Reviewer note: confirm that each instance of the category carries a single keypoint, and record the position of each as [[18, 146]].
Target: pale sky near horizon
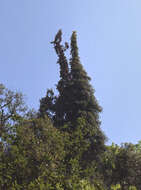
[[109, 40]]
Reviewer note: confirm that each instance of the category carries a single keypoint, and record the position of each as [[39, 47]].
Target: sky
[[109, 40]]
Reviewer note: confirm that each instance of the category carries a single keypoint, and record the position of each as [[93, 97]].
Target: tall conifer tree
[[81, 94], [53, 105], [64, 78], [76, 101], [81, 103]]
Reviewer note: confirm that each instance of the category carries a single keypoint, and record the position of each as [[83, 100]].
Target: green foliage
[[62, 146], [115, 187], [12, 108], [121, 165], [75, 101], [37, 149]]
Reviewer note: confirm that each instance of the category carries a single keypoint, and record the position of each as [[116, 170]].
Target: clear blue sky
[[109, 39]]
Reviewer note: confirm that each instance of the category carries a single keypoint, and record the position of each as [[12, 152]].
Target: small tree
[[36, 152], [12, 109]]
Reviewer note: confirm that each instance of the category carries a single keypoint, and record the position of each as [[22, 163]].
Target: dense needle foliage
[[61, 146]]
